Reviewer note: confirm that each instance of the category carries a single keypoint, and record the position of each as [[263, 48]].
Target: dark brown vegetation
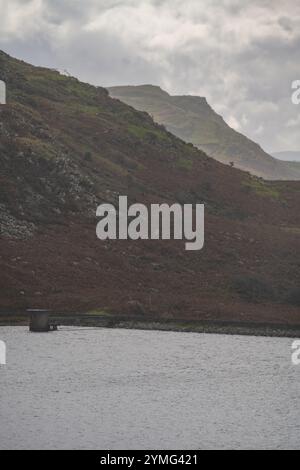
[[66, 147]]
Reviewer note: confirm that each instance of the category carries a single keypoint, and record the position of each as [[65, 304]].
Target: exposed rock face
[[10, 227]]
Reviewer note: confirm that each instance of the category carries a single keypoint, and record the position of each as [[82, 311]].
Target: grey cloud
[[241, 54]]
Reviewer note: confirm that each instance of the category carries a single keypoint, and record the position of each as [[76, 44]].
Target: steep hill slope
[[193, 120], [66, 147]]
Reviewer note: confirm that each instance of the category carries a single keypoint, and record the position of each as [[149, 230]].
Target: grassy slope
[[193, 120], [65, 147]]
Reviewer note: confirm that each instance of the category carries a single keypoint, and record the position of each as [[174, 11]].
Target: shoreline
[[156, 324]]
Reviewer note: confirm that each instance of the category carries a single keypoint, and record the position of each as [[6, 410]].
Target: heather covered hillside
[[65, 147]]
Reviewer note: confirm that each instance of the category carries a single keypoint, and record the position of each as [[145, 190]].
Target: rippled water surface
[[125, 389]]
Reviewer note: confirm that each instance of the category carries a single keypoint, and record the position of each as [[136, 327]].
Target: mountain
[[193, 120], [66, 147], [287, 156]]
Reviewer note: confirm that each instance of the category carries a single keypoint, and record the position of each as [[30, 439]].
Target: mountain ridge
[[192, 119]]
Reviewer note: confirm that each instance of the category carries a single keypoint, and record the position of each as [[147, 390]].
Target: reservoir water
[[126, 389]]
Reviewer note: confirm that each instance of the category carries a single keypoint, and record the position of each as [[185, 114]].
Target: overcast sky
[[241, 54]]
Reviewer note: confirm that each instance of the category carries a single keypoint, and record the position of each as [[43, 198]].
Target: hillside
[[66, 147], [193, 120]]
